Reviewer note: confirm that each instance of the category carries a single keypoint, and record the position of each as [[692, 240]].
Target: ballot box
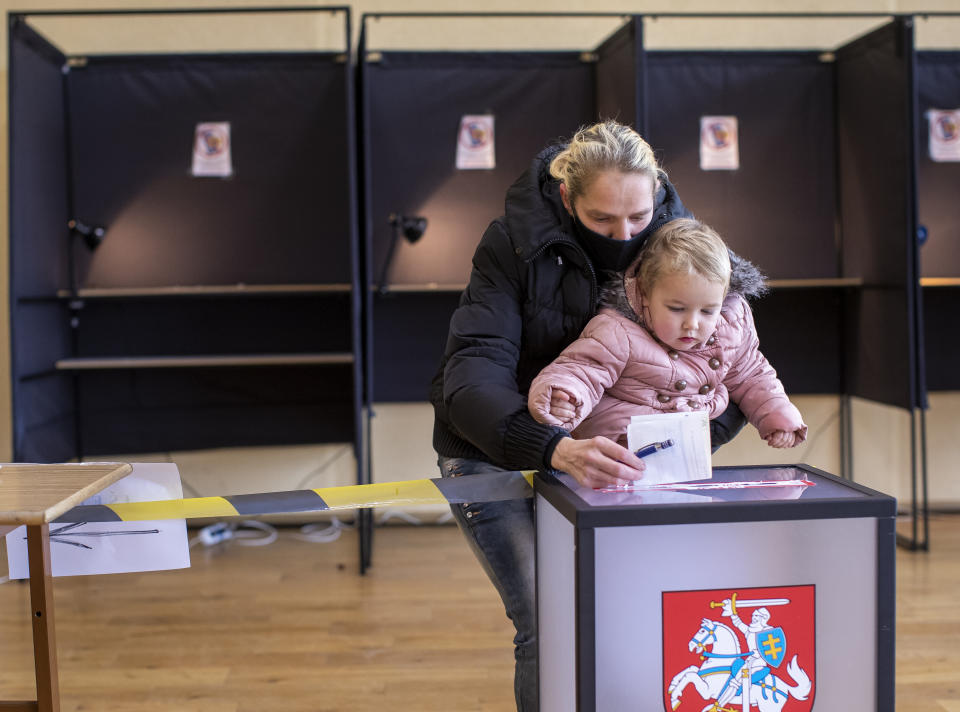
[[767, 588]]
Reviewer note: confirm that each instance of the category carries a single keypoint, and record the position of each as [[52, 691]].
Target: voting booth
[[184, 256], [676, 598], [450, 117]]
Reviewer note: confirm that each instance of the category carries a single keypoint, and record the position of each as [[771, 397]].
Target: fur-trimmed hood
[[619, 291]]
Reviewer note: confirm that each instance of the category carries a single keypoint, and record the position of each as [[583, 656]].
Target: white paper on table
[[944, 135], [475, 144], [211, 150], [115, 547], [719, 143], [688, 458]]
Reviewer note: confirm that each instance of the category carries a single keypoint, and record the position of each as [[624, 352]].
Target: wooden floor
[[291, 627]]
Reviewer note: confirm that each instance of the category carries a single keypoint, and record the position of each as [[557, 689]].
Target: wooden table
[[35, 495]]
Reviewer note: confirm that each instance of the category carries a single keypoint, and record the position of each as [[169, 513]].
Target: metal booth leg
[[919, 505]]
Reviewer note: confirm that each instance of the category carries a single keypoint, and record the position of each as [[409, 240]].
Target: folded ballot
[[675, 447]]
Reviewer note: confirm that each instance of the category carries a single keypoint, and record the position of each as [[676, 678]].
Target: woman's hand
[[783, 439], [597, 462]]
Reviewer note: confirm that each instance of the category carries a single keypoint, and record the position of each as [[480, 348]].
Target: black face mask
[[605, 252]]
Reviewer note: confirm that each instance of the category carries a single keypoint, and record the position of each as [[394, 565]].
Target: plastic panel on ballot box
[[673, 506], [627, 580]]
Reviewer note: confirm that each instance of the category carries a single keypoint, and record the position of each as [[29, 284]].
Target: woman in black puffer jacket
[[580, 211]]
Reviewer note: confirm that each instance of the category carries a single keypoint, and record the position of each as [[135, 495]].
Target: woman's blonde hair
[[684, 246], [604, 146]]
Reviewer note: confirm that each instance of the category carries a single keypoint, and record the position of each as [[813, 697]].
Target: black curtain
[[777, 209], [281, 218], [43, 417], [875, 129], [938, 185], [414, 104]]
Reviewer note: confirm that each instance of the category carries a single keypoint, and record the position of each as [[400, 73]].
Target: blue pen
[[653, 447]]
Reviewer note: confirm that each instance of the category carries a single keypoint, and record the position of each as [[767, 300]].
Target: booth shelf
[[203, 290], [771, 283], [89, 364], [940, 281]]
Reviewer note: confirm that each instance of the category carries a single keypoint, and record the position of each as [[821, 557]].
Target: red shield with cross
[[740, 649]]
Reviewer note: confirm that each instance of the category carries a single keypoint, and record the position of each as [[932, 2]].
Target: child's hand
[[563, 405], [783, 439]]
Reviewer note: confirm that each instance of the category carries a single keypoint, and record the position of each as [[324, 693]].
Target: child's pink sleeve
[[584, 370]]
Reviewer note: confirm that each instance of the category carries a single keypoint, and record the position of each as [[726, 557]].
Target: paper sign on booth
[[211, 150], [719, 143], [114, 547], [944, 135], [475, 145]]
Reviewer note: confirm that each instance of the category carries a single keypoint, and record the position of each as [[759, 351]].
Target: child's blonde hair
[[684, 245], [604, 146]]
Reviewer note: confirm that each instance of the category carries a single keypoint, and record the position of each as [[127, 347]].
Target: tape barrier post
[[481, 487]]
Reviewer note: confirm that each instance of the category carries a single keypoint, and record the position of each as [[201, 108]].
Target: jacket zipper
[[570, 243]]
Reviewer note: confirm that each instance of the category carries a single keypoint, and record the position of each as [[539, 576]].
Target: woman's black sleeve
[[483, 349]]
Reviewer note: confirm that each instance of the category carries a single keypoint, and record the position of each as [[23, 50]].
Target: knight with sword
[[767, 646]]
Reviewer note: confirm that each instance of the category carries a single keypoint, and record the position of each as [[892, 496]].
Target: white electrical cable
[[221, 532], [248, 538], [319, 534]]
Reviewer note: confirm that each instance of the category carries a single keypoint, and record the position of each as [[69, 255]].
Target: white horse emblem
[[719, 647]]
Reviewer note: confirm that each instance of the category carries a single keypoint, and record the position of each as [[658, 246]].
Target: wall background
[[401, 432]]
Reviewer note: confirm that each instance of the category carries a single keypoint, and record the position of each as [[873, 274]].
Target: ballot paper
[[687, 458], [115, 547]]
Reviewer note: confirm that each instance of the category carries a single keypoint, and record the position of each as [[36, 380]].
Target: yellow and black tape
[[483, 487]]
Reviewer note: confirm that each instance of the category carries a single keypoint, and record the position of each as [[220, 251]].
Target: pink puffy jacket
[[617, 369]]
